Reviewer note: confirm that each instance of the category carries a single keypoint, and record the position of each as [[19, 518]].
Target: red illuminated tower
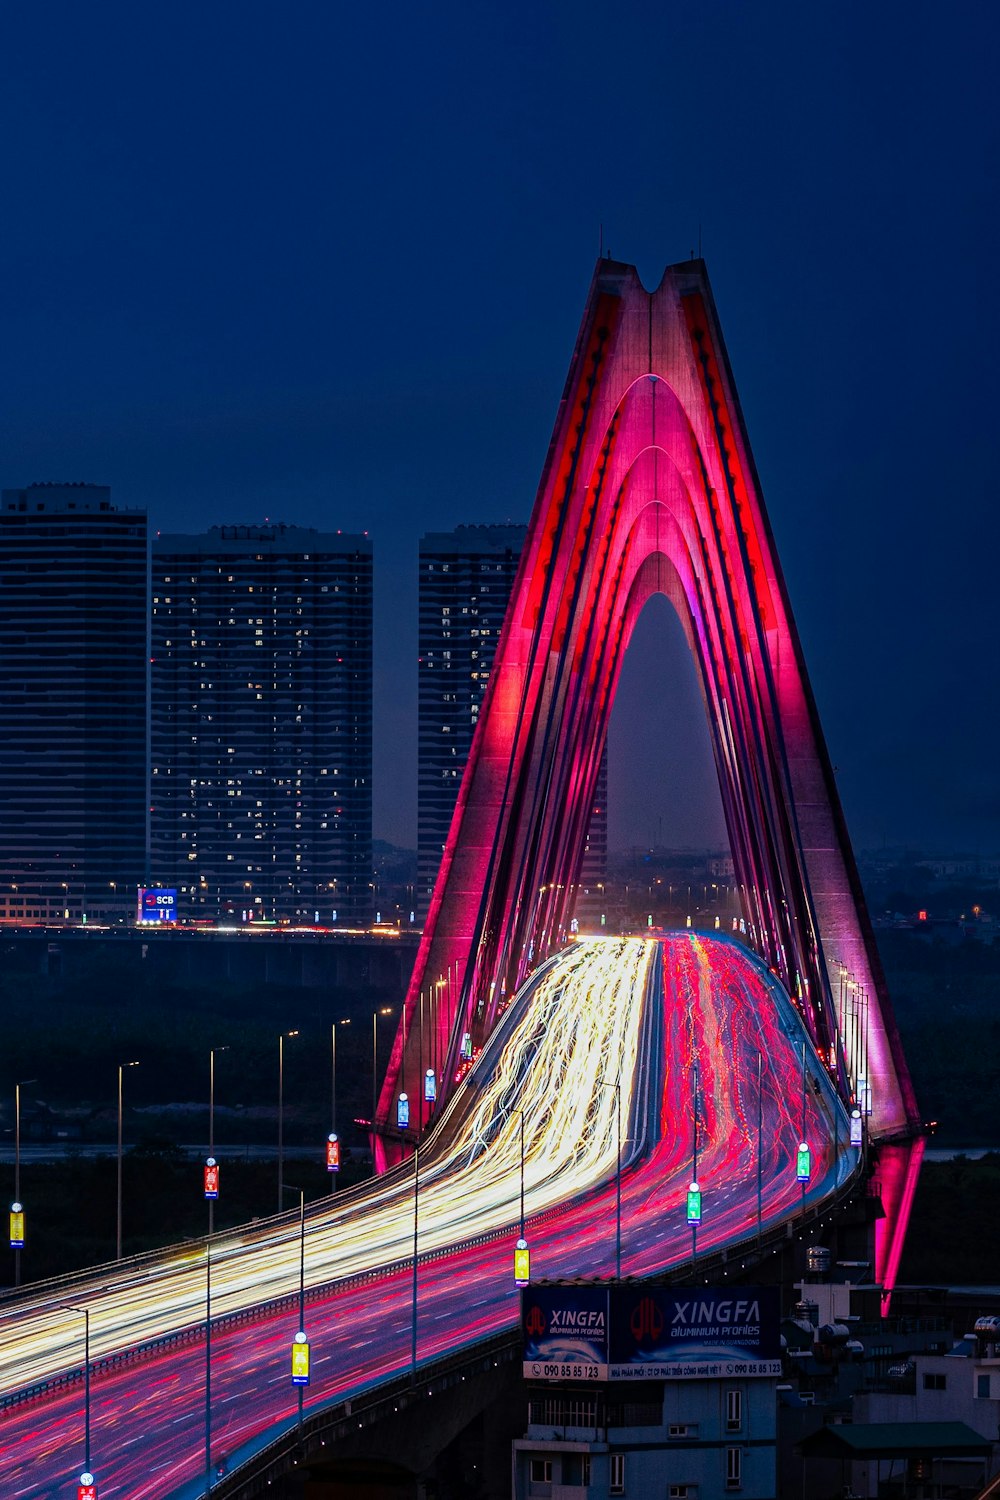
[[650, 487]]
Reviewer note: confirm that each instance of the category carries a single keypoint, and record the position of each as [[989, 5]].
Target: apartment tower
[[261, 724]]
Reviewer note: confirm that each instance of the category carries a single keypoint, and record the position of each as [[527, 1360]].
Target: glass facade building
[[73, 661], [261, 724]]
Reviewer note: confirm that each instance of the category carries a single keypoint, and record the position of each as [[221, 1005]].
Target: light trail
[[580, 1030], [582, 1025]]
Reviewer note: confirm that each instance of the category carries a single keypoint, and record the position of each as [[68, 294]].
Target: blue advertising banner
[[685, 1333], [565, 1332], [157, 904]]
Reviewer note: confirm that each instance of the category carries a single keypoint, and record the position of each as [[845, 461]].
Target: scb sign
[[157, 904]]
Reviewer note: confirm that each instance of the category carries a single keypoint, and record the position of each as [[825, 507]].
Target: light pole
[[19, 1208], [760, 1139], [281, 1108], [618, 1175], [386, 1010], [85, 1314], [121, 1070], [802, 1158], [694, 1192], [208, 1353], [333, 1076], [416, 1214], [211, 1127], [300, 1341], [522, 1255]]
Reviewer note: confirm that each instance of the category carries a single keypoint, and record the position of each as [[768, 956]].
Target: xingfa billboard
[[685, 1333], [565, 1332], [649, 1332]]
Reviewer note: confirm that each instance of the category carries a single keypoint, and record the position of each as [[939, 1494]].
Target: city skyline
[[364, 294]]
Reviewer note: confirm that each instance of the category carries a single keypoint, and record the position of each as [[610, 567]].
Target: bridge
[[615, 1050], [591, 1080]]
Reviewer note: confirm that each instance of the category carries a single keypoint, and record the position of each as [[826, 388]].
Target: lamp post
[[416, 1217], [385, 1011], [281, 1108], [760, 1141], [374, 1076], [332, 1157], [618, 1175], [300, 1344], [121, 1070], [86, 1477], [211, 1126], [694, 1192], [17, 1206], [803, 1163], [522, 1255]]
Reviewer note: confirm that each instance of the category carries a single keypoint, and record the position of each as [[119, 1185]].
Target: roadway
[[603, 1012]]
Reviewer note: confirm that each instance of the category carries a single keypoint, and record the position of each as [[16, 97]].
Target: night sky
[[326, 263]]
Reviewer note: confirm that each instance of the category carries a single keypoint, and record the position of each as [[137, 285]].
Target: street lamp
[[416, 1212], [281, 1107], [386, 1010], [212, 1166], [803, 1162], [300, 1344], [17, 1207], [86, 1478], [121, 1069], [618, 1174], [522, 1255], [694, 1191]]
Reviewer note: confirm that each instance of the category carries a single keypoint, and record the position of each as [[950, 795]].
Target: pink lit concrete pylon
[[649, 487]]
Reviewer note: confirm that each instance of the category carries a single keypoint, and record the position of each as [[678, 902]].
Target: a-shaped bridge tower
[[649, 487]]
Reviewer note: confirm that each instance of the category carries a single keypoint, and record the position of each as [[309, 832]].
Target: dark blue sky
[[326, 264]]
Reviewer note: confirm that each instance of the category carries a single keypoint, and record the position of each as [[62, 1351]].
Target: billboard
[[641, 1332], [565, 1332], [685, 1333], [156, 904]]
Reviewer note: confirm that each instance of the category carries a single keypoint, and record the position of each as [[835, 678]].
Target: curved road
[[604, 1011]]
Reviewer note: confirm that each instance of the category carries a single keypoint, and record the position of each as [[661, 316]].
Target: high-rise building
[[466, 577], [73, 728], [261, 723]]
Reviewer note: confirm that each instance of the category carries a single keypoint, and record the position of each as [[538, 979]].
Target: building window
[[679, 1492], [541, 1471], [734, 1468], [617, 1486], [982, 1385], [935, 1382], [734, 1411], [678, 1430]]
